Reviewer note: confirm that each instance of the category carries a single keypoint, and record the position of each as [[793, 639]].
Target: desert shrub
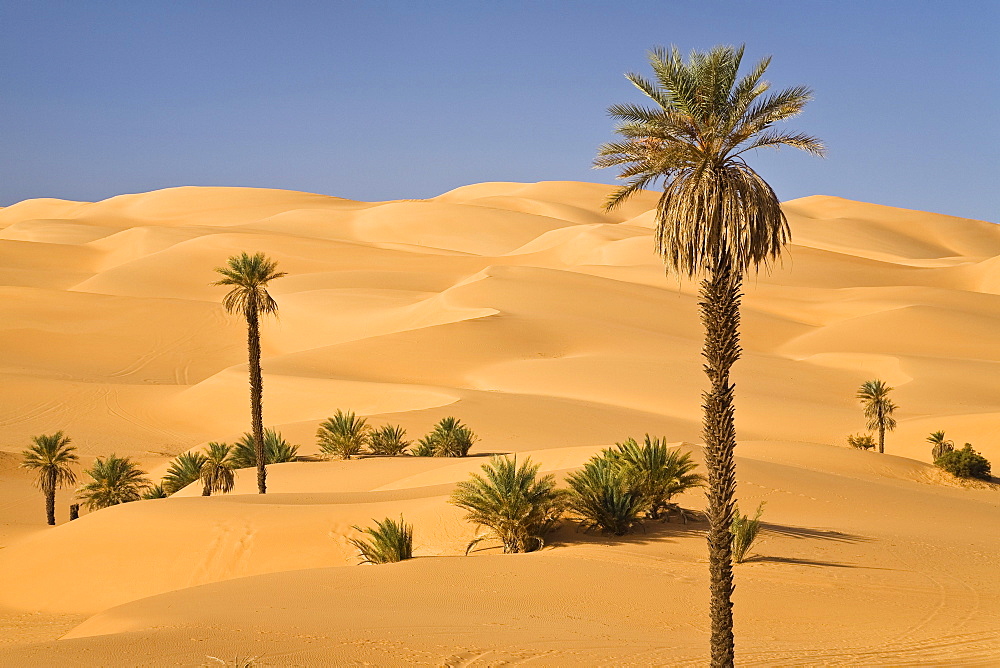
[[276, 450], [602, 499], [184, 470], [655, 472], [155, 492], [389, 541], [450, 438], [861, 441], [965, 463], [745, 530], [388, 440], [514, 504], [940, 445], [113, 480], [343, 435], [425, 447], [217, 471]]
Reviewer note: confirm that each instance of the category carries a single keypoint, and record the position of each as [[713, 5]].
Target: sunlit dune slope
[[549, 326]]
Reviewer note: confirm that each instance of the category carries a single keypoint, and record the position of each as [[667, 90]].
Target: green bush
[[388, 440], [183, 471], [389, 541], [113, 480], [655, 472], [155, 492], [861, 441], [425, 447], [449, 438], [276, 450], [517, 507], [744, 530], [965, 463], [343, 435], [602, 499]]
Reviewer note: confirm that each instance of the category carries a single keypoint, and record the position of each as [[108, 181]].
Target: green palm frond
[[744, 530], [217, 471], [51, 457], [114, 480], [515, 505], [155, 492], [343, 435], [602, 498], [388, 541], [655, 472], [388, 440], [249, 275], [449, 438], [183, 471], [276, 450], [705, 117], [874, 396]]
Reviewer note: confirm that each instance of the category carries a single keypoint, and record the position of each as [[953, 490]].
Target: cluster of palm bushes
[[962, 462], [345, 435]]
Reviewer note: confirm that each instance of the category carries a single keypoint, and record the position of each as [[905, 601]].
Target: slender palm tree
[[940, 445], [217, 471], [184, 470], [874, 396], [718, 220], [51, 457], [249, 275], [113, 480]]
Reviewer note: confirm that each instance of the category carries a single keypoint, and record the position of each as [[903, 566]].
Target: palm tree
[[113, 480], [183, 471], [451, 438], [249, 276], [874, 396], [276, 450], [343, 435], [940, 445], [217, 471], [51, 457], [602, 498], [717, 219], [154, 492], [656, 472]]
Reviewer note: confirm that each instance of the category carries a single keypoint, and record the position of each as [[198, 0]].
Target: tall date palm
[[50, 457], [249, 275], [874, 397], [716, 220]]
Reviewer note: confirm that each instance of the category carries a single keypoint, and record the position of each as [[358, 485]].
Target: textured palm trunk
[[50, 506], [256, 397], [206, 489], [881, 431], [720, 314]]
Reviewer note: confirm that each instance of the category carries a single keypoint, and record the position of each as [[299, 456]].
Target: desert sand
[[549, 327]]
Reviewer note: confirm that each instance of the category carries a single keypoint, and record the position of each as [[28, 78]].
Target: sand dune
[[546, 324]]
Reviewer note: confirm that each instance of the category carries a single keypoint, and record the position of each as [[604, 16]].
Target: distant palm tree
[[874, 396], [217, 471], [113, 480], [51, 457], [249, 276], [940, 445], [184, 470], [343, 435], [718, 219], [451, 438]]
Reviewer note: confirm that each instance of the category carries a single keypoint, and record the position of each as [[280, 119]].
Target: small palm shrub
[[217, 472], [655, 472], [389, 541], [425, 447], [861, 441], [603, 499], [343, 435], [113, 480], [388, 440], [155, 492], [276, 449], [965, 463], [183, 471], [745, 530], [451, 438], [940, 445], [514, 504]]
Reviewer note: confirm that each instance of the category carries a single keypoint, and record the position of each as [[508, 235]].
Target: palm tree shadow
[[569, 533], [799, 562], [815, 534]]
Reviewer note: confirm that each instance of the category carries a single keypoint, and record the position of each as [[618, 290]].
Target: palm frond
[[389, 542], [343, 435], [114, 480]]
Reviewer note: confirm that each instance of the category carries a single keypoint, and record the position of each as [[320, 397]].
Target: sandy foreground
[[548, 326]]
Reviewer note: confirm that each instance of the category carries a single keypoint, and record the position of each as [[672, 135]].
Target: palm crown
[[249, 276], [114, 480], [874, 394], [705, 119], [51, 457]]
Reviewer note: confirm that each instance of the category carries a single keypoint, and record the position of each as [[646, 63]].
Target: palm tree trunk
[[50, 506], [206, 489], [720, 314], [881, 439], [256, 397]]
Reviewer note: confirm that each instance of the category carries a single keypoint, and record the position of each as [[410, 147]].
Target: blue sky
[[388, 100]]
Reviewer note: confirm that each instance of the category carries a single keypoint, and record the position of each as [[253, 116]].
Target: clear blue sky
[[387, 100]]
